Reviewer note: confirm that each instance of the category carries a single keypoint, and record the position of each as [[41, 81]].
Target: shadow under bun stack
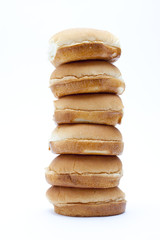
[[86, 174]]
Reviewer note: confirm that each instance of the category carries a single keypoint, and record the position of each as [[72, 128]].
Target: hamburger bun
[[82, 44], [86, 139], [91, 108], [83, 202], [86, 77], [84, 171]]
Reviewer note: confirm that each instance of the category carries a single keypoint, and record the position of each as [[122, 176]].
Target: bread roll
[[84, 202], [86, 77], [83, 44], [89, 108], [86, 139]]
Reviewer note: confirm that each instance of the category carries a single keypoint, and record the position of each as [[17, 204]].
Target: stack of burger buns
[[86, 174]]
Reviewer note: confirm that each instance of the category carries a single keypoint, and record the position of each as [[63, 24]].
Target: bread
[[87, 139], [83, 44], [84, 171], [86, 77], [91, 108], [84, 202]]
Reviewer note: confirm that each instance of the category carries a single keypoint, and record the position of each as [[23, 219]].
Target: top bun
[[83, 44], [95, 102], [81, 164], [77, 70], [79, 35], [63, 195], [86, 131]]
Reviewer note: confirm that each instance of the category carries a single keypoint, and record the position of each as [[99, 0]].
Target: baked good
[[87, 139], [83, 44], [89, 108], [85, 202], [84, 171], [86, 77]]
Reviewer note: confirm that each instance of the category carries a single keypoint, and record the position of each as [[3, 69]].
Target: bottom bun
[[83, 181], [79, 116], [90, 147], [91, 210]]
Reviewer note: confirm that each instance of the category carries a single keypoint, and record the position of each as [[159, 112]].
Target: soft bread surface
[[86, 77], [84, 171], [62, 195], [83, 44]]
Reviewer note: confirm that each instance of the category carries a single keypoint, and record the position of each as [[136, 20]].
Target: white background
[[27, 108]]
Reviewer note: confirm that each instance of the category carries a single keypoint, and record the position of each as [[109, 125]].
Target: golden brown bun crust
[[83, 44], [98, 117], [91, 210], [84, 171], [87, 147], [86, 77], [100, 109], [94, 85], [86, 51], [87, 202]]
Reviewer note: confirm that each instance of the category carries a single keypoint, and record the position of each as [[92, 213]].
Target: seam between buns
[[52, 172], [85, 140], [92, 203], [86, 76], [82, 42], [88, 41], [83, 110]]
